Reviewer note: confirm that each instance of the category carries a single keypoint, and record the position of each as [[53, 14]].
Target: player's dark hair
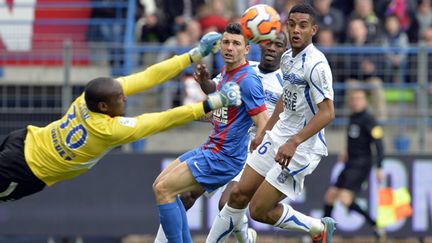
[[236, 29], [306, 9], [97, 90]]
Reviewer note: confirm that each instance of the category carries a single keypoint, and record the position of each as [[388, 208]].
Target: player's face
[[301, 29], [357, 101], [233, 50], [272, 51], [117, 101]]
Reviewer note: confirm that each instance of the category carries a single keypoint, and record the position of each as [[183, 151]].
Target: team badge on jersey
[[354, 131], [283, 176]]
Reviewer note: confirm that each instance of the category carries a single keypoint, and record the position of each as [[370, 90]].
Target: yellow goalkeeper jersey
[[72, 145]]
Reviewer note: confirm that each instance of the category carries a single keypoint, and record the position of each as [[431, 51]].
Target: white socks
[[294, 220], [241, 230], [160, 236], [224, 223]]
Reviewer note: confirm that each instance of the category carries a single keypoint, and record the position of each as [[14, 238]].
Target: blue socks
[[174, 222], [171, 221], [187, 238]]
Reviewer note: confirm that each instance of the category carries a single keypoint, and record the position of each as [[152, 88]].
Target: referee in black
[[364, 136]]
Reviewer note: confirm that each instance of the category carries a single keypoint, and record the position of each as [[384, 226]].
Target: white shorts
[[289, 181]]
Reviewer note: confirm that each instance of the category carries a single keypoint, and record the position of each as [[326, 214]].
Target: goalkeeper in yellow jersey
[[33, 157]]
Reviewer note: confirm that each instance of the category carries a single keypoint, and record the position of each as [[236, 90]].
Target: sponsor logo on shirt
[[290, 100], [221, 115], [292, 78], [127, 121]]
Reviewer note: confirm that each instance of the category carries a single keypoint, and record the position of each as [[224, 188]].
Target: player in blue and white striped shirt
[[294, 138]]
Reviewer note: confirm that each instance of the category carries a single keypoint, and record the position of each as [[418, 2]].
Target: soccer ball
[[260, 23]]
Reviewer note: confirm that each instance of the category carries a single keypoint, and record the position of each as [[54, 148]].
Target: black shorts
[[16, 178], [354, 174]]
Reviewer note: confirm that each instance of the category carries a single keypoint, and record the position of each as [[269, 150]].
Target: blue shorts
[[209, 170]]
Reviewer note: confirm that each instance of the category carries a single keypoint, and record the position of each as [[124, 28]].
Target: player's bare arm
[[202, 76], [260, 121], [322, 118], [270, 123]]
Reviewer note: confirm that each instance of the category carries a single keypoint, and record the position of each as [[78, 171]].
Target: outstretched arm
[[128, 129], [166, 70], [154, 75]]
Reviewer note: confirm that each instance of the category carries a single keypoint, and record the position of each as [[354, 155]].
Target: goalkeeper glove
[[228, 95], [208, 43]]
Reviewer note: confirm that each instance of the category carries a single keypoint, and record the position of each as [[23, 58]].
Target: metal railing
[[38, 83]]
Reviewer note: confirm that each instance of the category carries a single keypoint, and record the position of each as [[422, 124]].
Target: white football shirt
[[307, 82], [273, 85]]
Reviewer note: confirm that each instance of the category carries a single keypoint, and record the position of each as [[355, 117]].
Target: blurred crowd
[[389, 22], [393, 24]]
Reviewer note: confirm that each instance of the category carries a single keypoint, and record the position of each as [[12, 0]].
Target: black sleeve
[[376, 134]]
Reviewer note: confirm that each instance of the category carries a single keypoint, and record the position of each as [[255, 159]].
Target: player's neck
[[296, 51], [232, 66], [267, 69]]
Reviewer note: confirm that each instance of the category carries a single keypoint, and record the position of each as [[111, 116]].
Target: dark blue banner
[[115, 198]]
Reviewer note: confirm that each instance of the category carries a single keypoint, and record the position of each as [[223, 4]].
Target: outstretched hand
[[208, 43], [228, 95], [285, 153], [201, 74], [255, 143]]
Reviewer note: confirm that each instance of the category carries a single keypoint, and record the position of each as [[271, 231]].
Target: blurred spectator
[[426, 36], [111, 32], [424, 15], [181, 89], [178, 12], [363, 68], [287, 8], [345, 6], [193, 32], [325, 39], [151, 25], [172, 91], [394, 37], [328, 17], [401, 9], [193, 29], [364, 9], [211, 16], [241, 5]]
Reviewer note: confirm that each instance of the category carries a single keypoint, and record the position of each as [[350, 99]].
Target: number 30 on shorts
[[263, 148]]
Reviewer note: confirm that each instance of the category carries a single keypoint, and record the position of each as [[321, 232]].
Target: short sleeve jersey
[[307, 82], [272, 84], [229, 136]]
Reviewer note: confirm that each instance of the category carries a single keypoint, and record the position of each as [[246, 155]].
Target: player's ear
[[103, 107], [247, 49], [314, 29]]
